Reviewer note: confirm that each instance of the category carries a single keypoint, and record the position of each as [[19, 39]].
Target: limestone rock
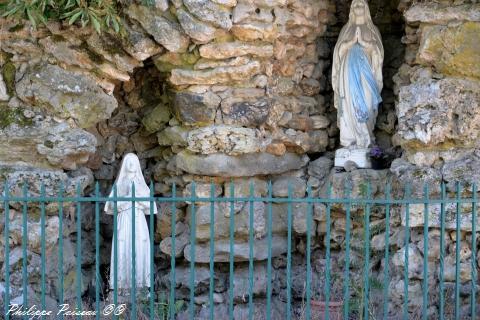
[[405, 173], [173, 136], [199, 31], [451, 50], [241, 187], [138, 44], [226, 50], [180, 243], [110, 48], [245, 112], [168, 33], [222, 218], [281, 187], [195, 109], [220, 75], [464, 170], [65, 52], [172, 60], [415, 261], [203, 63], [67, 147], [438, 113], [241, 282], [435, 13], [209, 11], [67, 94], [227, 3], [320, 168], [161, 4], [224, 139], [254, 31], [16, 176], [247, 165], [156, 119], [241, 250]]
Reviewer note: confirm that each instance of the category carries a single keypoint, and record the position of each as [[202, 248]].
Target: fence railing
[[388, 205]]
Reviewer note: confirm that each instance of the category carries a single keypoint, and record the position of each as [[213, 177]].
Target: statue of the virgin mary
[[357, 82], [131, 173]]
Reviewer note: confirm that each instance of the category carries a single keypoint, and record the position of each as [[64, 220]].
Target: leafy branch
[[100, 14]]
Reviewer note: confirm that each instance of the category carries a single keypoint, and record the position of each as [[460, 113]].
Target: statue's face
[[359, 9], [130, 165]]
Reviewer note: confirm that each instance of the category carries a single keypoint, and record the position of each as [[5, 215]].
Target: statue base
[[360, 157]]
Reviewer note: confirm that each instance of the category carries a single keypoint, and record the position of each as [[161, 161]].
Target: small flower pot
[[377, 163], [318, 309]]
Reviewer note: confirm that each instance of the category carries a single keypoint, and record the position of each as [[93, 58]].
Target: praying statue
[[357, 82], [131, 174]]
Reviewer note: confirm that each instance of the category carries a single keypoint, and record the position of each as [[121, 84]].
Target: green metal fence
[[346, 202]]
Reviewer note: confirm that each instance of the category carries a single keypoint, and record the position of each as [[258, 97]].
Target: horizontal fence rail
[[337, 279]]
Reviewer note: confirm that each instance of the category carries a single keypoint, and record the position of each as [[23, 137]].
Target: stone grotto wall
[[238, 92]]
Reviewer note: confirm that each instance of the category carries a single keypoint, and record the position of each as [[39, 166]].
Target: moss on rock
[[8, 73]]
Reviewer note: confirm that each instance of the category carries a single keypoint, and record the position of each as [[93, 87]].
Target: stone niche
[[235, 93]]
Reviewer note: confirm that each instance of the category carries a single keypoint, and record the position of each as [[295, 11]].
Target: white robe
[[354, 133], [124, 266]]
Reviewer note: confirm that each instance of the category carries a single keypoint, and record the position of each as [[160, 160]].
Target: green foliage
[[100, 14], [161, 308]]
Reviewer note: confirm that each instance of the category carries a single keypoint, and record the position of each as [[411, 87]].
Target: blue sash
[[358, 67]]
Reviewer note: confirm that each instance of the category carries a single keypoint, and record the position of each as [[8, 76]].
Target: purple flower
[[376, 152]]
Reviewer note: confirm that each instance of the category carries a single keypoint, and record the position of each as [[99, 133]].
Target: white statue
[[131, 173], [357, 82]]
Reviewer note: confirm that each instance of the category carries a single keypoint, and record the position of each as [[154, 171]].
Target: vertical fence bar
[[386, 276], [115, 249], [425, 253], [60, 247], [97, 251], [473, 300], [212, 250], [250, 257], [79, 251], [366, 291], [24, 247], [134, 276], [289, 253], [457, 253], [173, 208], [232, 256], [407, 249], [308, 308], [6, 206], [346, 278], [269, 248], [192, 252], [152, 265], [43, 246], [328, 271], [442, 251]]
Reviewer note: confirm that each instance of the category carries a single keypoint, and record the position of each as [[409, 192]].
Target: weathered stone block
[[220, 75], [226, 50], [195, 109], [243, 112], [451, 50], [67, 94], [247, 165], [439, 114], [241, 250], [209, 11], [168, 33], [224, 139], [199, 31], [436, 13]]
